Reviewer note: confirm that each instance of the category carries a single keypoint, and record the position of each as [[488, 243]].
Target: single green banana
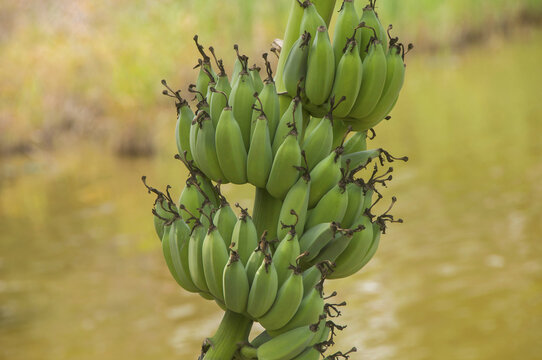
[[263, 289], [285, 255], [284, 173], [217, 100], [310, 126], [295, 68], [256, 258], [288, 344], [206, 151], [230, 148], [320, 68], [195, 259], [358, 253], [312, 352], [215, 257], [242, 99], [347, 20], [193, 136], [292, 117], [256, 78], [294, 207], [348, 79], [286, 303], [244, 238], [375, 69], [360, 158], [205, 68], [355, 204], [315, 238], [331, 207], [311, 19], [309, 311], [395, 76], [269, 103], [358, 142], [324, 177], [191, 199], [161, 215], [317, 144], [335, 247], [372, 26], [260, 154], [235, 284], [225, 220]]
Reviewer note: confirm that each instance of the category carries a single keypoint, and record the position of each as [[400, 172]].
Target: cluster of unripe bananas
[[305, 150]]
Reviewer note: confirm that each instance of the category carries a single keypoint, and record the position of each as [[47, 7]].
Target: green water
[[82, 275]]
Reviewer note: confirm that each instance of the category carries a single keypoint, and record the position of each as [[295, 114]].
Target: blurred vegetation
[[91, 70]]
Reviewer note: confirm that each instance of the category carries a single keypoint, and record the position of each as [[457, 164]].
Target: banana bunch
[[301, 139]]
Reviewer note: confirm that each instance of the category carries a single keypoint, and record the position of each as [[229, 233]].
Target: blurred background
[[82, 118]]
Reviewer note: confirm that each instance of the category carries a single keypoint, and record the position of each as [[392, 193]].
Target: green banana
[[360, 158], [205, 68], [256, 258], [225, 220], [193, 135], [372, 27], [260, 154], [324, 176], [287, 345], [313, 352], [355, 204], [269, 100], [191, 199], [195, 259], [215, 257], [230, 148], [284, 173], [175, 248], [331, 207], [235, 284], [206, 149], [320, 68], [244, 238], [347, 20], [242, 99], [316, 238], [336, 246], [358, 142], [375, 68], [309, 311], [317, 144], [311, 19], [286, 303], [295, 67], [310, 126], [237, 66], [285, 255], [395, 76], [311, 277], [348, 79], [358, 253], [294, 207], [256, 79], [217, 101], [184, 121], [292, 117], [263, 289]]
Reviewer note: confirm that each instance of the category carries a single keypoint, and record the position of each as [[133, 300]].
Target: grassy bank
[[88, 70]]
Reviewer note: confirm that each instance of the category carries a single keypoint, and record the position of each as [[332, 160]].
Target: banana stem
[[266, 213], [233, 331]]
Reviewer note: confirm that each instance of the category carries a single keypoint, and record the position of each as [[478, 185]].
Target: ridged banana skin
[[370, 18], [236, 286], [263, 290], [225, 220], [310, 21], [260, 154], [172, 246], [310, 126], [316, 238], [286, 303], [324, 176], [215, 257], [195, 257], [395, 77], [318, 143], [283, 174], [241, 100], [311, 277], [358, 142], [202, 82], [217, 101], [293, 114], [360, 157], [347, 20], [370, 91], [348, 79], [285, 255], [206, 148], [253, 264], [182, 130], [295, 67], [230, 148], [271, 109], [256, 79], [286, 345], [331, 208], [297, 199], [358, 253], [320, 68], [355, 204], [335, 248], [237, 68], [192, 199], [193, 136], [245, 237], [308, 312]]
